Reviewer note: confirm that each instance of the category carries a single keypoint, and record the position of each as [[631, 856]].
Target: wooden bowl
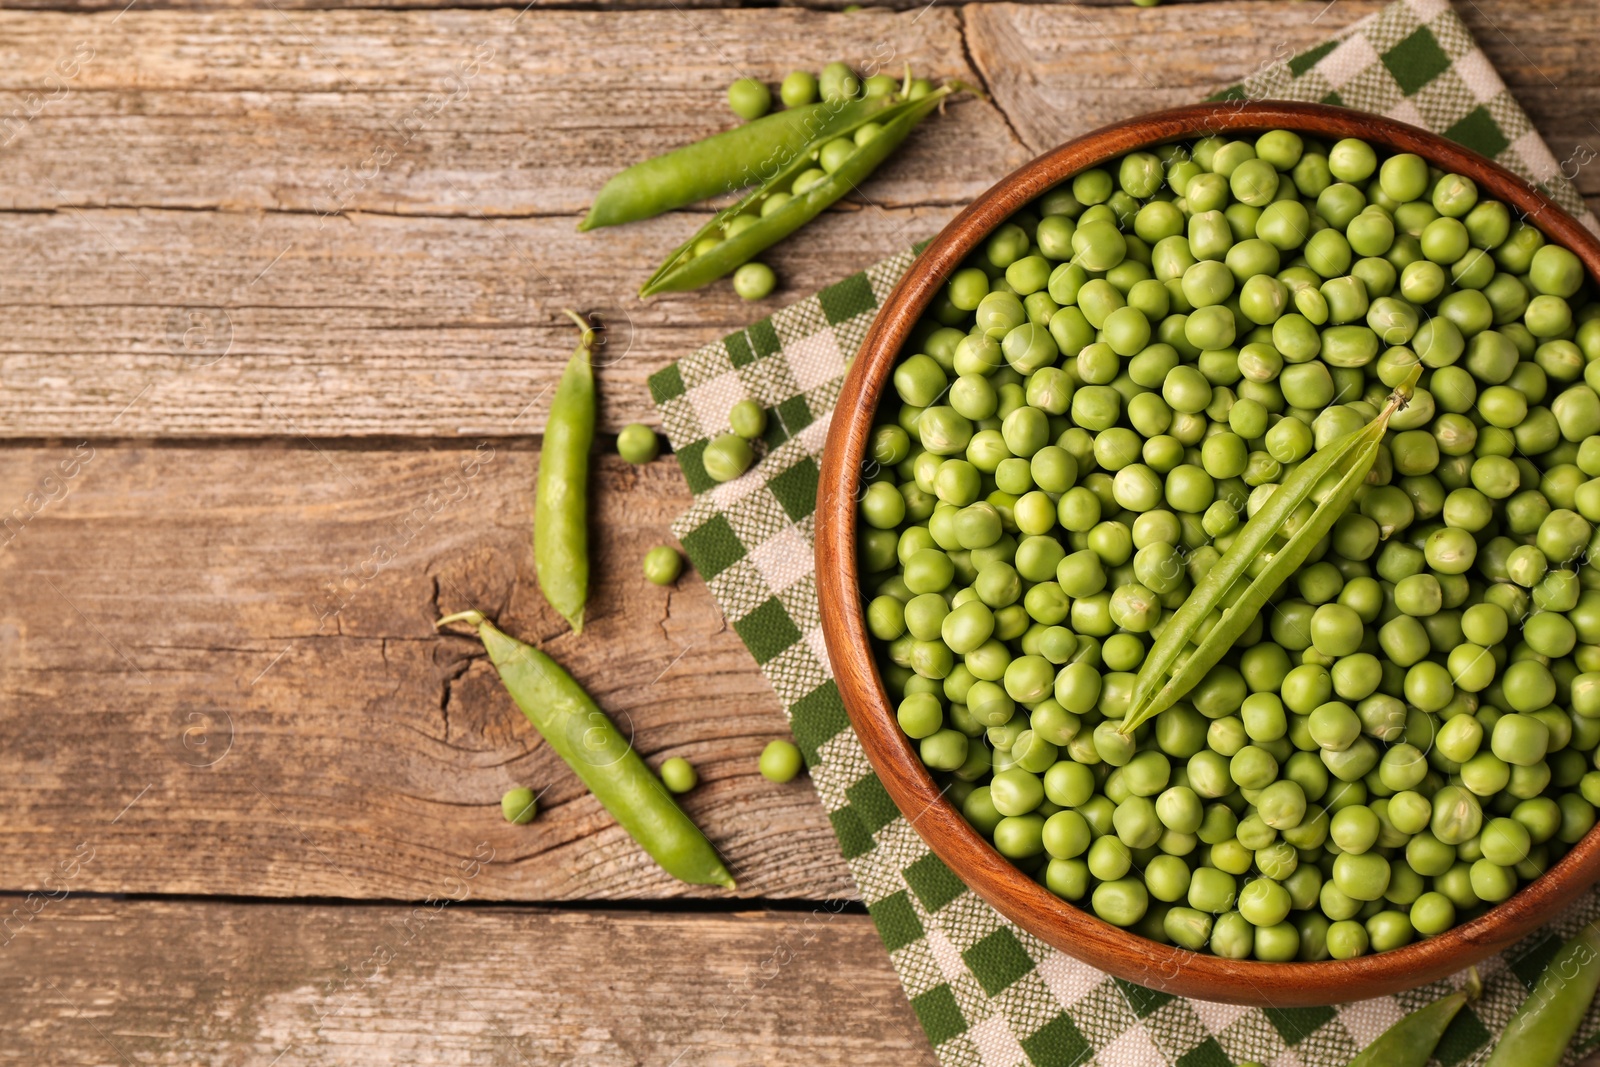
[[1069, 928]]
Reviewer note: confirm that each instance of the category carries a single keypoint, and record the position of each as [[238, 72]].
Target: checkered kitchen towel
[[989, 994]]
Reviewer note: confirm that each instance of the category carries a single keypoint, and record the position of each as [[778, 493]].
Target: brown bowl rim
[[1013, 893]]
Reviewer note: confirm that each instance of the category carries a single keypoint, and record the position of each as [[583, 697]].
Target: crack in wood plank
[[983, 81]]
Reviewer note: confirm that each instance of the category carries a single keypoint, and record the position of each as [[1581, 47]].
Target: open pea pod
[[684, 269], [743, 156], [1347, 461]]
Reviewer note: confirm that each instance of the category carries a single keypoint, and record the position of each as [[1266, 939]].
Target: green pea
[[662, 564], [726, 457], [799, 88], [519, 806], [638, 444], [780, 760]]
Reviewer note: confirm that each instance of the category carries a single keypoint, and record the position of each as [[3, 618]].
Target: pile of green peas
[[1104, 392]]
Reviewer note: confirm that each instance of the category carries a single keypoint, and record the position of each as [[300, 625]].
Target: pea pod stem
[[561, 494], [1539, 1033], [1352, 457], [588, 741], [723, 162], [683, 270], [1411, 1041]]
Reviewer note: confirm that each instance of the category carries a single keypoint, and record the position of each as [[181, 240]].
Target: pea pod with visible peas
[[590, 743], [686, 268], [1411, 1041], [723, 162], [561, 495], [1541, 1030], [1349, 459]]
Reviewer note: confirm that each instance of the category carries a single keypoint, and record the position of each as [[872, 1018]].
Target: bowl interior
[[1016, 895]]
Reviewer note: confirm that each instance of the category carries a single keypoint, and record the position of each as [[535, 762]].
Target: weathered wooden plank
[[220, 641], [371, 324], [431, 112], [316, 130], [538, 6], [205, 323], [182, 983]]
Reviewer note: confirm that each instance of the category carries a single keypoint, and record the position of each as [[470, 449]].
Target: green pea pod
[[684, 270], [1350, 459], [1541, 1030], [724, 162], [1411, 1041], [590, 743], [561, 496]]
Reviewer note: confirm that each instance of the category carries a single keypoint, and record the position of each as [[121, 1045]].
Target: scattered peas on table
[[638, 443], [519, 806], [1227, 546], [780, 761], [662, 565]]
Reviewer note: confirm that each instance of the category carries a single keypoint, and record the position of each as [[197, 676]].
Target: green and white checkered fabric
[[988, 994]]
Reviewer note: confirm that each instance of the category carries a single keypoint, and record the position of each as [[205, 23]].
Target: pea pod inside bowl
[[1076, 402]]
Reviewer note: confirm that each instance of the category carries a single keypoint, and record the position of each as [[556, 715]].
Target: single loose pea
[[749, 98], [726, 457], [754, 281], [662, 565], [637, 443], [678, 775], [799, 88], [748, 419], [519, 806], [780, 761]]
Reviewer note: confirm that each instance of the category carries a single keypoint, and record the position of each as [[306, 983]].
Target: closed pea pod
[[590, 743], [1539, 1033], [561, 494], [1411, 1041]]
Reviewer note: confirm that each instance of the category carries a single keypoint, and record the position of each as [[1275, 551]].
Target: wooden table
[[281, 292]]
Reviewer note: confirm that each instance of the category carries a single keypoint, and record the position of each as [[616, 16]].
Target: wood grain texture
[[327, 225], [430, 112], [162, 323], [214, 638], [178, 273], [96, 982]]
